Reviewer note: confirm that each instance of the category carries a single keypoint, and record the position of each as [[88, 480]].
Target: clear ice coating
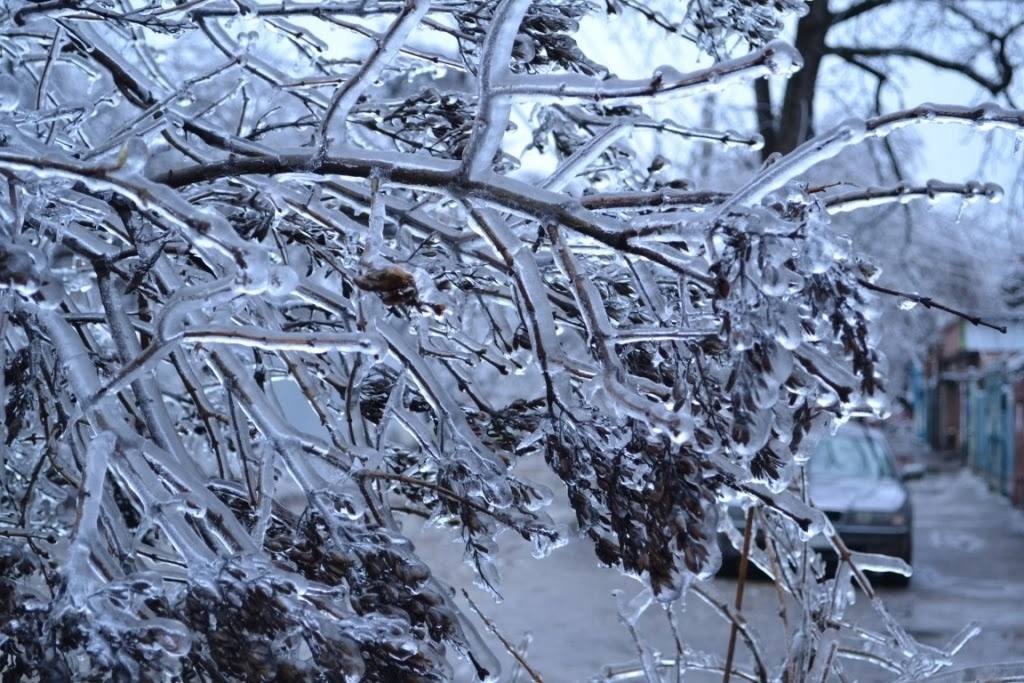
[[440, 227], [10, 93]]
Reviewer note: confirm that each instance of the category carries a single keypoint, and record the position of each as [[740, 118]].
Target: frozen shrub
[[218, 219]]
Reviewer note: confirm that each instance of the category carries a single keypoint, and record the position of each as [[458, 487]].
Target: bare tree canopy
[[424, 225], [975, 40]]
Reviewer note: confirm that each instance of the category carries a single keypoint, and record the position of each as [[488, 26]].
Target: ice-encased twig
[[385, 49], [492, 110], [932, 191], [777, 58], [85, 533]]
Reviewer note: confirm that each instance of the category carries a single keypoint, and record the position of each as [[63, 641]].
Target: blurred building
[[970, 400]]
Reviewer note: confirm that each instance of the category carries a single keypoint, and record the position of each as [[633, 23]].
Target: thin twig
[[773, 558], [731, 615], [741, 582], [493, 628], [448, 493], [928, 302]]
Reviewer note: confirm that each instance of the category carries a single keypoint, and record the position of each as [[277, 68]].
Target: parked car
[[853, 479]]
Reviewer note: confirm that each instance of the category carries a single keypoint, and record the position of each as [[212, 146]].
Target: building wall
[[973, 401]]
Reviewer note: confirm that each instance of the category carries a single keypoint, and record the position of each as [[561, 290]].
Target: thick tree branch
[[993, 85]]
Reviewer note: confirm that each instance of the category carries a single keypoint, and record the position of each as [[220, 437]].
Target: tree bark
[[794, 123]]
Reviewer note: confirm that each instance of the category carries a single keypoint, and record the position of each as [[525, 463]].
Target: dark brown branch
[[958, 66], [860, 8], [741, 582], [928, 302]]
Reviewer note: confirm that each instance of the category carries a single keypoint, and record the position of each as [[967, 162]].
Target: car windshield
[[850, 456]]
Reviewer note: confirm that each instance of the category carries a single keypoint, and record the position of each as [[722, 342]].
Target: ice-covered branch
[[273, 284], [852, 132], [385, 49], [261, 338], [778, 58], [536, 309], [142, 361], [622, 399], [86, 533], [932, 191], [728, 138], [984, 117], [492, 109], [132, 464], [584, 156], [420, 172]]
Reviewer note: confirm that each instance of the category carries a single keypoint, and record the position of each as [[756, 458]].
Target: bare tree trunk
[[794, 123]]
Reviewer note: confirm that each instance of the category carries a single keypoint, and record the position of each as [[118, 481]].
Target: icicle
[[871, 562]]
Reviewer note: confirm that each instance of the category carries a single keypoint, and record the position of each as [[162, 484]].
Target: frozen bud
[[658, 163], [993, 192], [253, 275], [907, 303], [170, 636], [246, 39], [666, 75]]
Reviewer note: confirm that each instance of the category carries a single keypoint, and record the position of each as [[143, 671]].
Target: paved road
[[969, 566], [969, 550]]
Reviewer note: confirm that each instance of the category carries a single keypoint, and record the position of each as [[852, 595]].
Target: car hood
[[870, 495]]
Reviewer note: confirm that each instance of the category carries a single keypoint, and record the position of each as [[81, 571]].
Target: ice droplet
[[667, 74], [247, 38], [782, 59], [764, 392], [772, 281], [817, 254], [543, 544], [488, 578], [907, 304], [974, 191], [171, 636]]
